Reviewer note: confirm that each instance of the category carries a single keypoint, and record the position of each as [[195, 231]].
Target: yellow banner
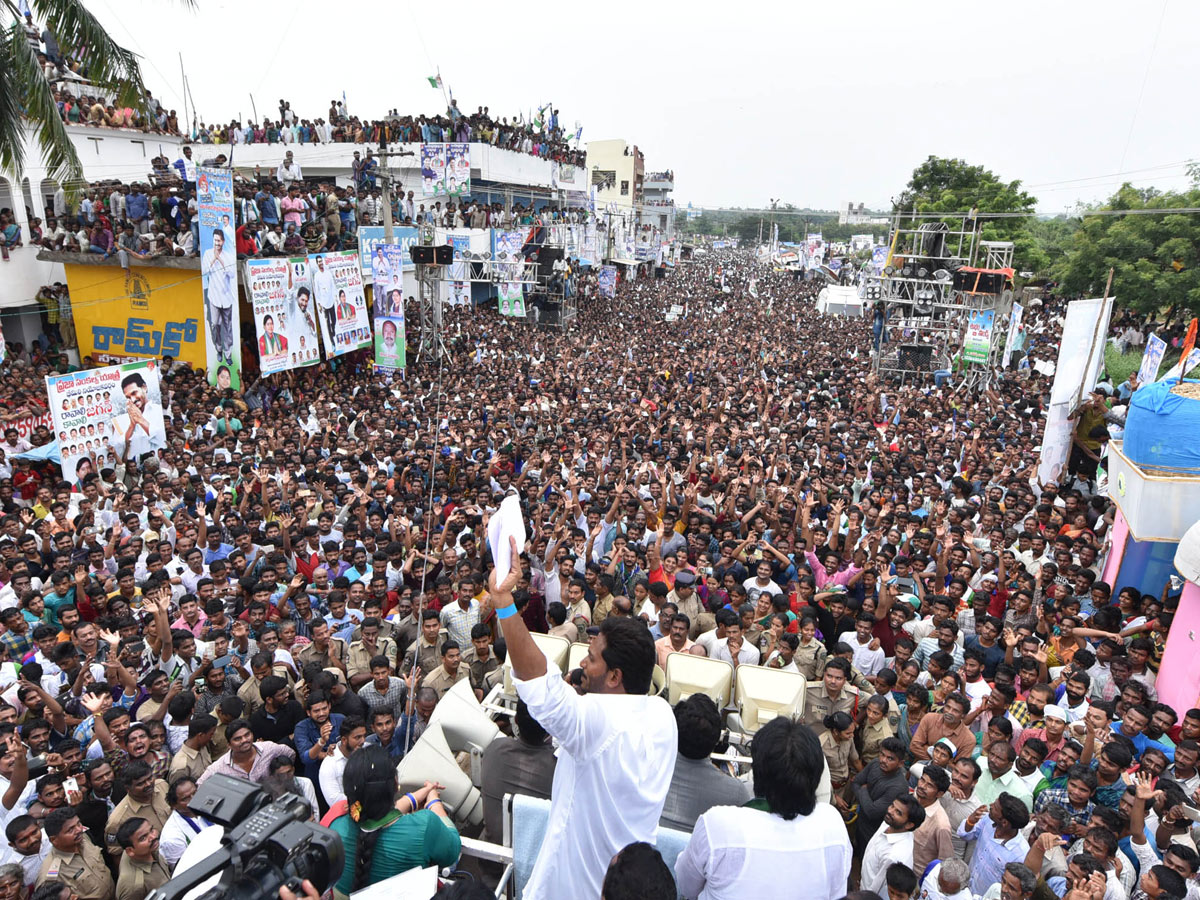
[[143, 312]]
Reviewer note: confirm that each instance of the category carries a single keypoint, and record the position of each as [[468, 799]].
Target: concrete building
[[858, 214], [125, 155], [618, 173], [624, 187], [658, 207]]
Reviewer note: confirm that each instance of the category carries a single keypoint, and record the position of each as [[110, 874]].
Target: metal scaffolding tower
[[937, 304]]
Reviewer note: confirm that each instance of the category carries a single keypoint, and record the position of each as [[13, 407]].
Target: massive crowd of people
[[288, 590]]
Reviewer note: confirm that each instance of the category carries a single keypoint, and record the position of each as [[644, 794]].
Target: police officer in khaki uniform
[[425, 650], [144, 797], [194, 756], [362, 651], [73, 859], [450, 672], [142, 867], [329, 651], [829, 695]]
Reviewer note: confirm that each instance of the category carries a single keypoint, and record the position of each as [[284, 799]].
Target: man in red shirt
[[247, 242], [25, 479], [891, 613]]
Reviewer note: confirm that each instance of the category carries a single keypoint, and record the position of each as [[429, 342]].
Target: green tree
[[26, 99], [954, 186], [749, 226], [1155, 258], [1053, 237]]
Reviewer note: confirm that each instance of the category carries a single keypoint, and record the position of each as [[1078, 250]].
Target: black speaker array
[[432, 256]]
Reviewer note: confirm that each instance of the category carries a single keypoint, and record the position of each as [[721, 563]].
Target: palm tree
[[26, 99]]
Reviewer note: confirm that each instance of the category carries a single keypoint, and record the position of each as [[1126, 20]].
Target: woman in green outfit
[[381, 841]]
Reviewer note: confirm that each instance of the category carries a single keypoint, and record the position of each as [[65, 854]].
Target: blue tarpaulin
[[42, 453], [1162, 430]]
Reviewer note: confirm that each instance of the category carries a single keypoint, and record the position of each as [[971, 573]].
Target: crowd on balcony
[[82, 103], [544, 137], [277, 213]]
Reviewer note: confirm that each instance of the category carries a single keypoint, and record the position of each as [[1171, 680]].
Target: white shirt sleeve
[[691, 867], [331, 780]]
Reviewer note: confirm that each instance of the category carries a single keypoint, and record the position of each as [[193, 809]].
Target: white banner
[[1014, 324], [1080, 357], [1182, 367]]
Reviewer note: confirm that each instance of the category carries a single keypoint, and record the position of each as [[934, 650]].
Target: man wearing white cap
[[1054, 733]]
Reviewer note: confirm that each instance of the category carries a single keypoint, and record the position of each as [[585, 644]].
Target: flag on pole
[[435, 81]]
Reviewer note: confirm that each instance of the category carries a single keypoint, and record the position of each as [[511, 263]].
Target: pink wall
[[1178, 680], [1120, 532]]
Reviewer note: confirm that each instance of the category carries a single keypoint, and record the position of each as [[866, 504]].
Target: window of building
[[624, 188]]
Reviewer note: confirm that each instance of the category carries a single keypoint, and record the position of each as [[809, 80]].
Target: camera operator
[[379, 840]]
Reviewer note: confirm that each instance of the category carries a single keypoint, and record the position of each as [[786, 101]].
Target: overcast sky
[[813, 103]]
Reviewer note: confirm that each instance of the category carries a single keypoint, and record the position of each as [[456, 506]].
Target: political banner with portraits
[[509, 265], [370, 239], [337, 286], [218, 275], [458, 170], [977, 341], [446, 169], [433, 169], [107, 415], [1152, 359], [284, 318], [389, 343], [878, 259], [1184, 365], [387, 289], [460, 271], [814, 250], [606, 279]]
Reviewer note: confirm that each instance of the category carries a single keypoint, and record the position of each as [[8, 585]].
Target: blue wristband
[[433, 801], [504, 612], [412, 800]]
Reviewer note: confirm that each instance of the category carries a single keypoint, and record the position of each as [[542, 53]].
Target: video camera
[[267, 844]]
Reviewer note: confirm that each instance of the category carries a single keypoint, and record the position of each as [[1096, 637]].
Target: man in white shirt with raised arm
[[616, 747]]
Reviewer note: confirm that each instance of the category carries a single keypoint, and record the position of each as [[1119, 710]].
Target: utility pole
[[385, 176], [183, 79]]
